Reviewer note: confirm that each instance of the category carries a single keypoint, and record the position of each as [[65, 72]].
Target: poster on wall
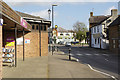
[[27, 41], [20, 41], [10, 41]]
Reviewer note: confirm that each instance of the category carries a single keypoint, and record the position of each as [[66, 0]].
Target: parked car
[[68, 44], [75, 42]]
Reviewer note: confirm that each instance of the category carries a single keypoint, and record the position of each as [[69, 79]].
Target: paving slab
[[61, 67], [36, 67]]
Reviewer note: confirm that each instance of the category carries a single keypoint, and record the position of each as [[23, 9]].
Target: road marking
[[106, 59], [101, 72], [87, 54], [105, 54], [96, 54], [79, 54]]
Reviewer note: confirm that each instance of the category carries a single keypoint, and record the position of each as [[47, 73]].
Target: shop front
[[12, 27]]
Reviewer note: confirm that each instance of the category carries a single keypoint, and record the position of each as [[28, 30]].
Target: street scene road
[[100, 60]]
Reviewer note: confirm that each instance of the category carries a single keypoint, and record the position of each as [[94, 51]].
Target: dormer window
[[108, 21]]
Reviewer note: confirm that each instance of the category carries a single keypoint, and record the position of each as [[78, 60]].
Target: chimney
[[114, 12], [91, 14]]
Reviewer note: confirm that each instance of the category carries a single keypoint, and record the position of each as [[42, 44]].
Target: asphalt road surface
[[101, 60]]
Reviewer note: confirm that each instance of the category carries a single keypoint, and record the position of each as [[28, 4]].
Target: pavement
[[52, 66]]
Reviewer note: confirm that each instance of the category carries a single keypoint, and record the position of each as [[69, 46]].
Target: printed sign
[[1, 22], [23, 23], [20, 41], [10, 41], [27, 41]]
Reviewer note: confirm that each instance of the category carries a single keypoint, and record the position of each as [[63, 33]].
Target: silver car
[[68, 44]]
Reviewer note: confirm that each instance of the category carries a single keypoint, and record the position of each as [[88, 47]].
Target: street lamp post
[[49, 11], [52, 24]]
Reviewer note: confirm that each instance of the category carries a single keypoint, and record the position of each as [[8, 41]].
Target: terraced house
[[98, 26], [114, 36]]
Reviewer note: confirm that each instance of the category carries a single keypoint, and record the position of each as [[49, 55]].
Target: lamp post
[[52, 24], [49, 11]]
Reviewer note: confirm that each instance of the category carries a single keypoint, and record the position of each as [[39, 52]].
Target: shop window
[[44, 27], [33, 27], [37, 27]]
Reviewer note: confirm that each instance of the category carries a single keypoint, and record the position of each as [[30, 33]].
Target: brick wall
[[0, 52], [32, 49], [113, 33], [44, 43]]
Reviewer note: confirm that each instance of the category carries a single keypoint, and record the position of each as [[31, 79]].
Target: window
[[67, 34], [33, 27], [113, 43], [95, 41], [37, 27], [98, 40], [97, 28], [119, 28], [108, 21], [61, 34], [94, 29], [119, 43], [44, 27]]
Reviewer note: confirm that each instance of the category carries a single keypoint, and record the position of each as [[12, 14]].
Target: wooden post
[[0, 51], [15, 45], [23, 45]]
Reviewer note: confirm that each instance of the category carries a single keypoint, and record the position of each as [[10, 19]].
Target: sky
[[67, 13]]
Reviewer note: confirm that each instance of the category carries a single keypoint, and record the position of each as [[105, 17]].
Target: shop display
[[8, 56]]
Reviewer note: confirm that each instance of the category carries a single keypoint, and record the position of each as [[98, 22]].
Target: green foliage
[[80, 30]]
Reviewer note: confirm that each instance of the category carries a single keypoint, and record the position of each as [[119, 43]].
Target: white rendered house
[[65, 35], [99, 32]]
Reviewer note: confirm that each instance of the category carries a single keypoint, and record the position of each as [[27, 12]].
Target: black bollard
[[57, 48], [52, 50], [69, 54]]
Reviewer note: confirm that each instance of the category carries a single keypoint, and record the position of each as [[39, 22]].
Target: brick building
[[27, 34], [38, 36], [114, 36]]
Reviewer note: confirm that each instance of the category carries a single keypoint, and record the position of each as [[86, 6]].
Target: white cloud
[[108, 11], [43, 14]]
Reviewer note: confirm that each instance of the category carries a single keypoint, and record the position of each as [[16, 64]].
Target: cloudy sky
[[67, 12]]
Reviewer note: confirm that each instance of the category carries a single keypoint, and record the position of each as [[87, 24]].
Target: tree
[[80, 29]]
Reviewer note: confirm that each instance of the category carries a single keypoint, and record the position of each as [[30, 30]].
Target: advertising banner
[[10, 41], [23, 23]]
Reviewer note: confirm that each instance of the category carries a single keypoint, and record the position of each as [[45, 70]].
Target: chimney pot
[[114, 12], [91, 14]]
